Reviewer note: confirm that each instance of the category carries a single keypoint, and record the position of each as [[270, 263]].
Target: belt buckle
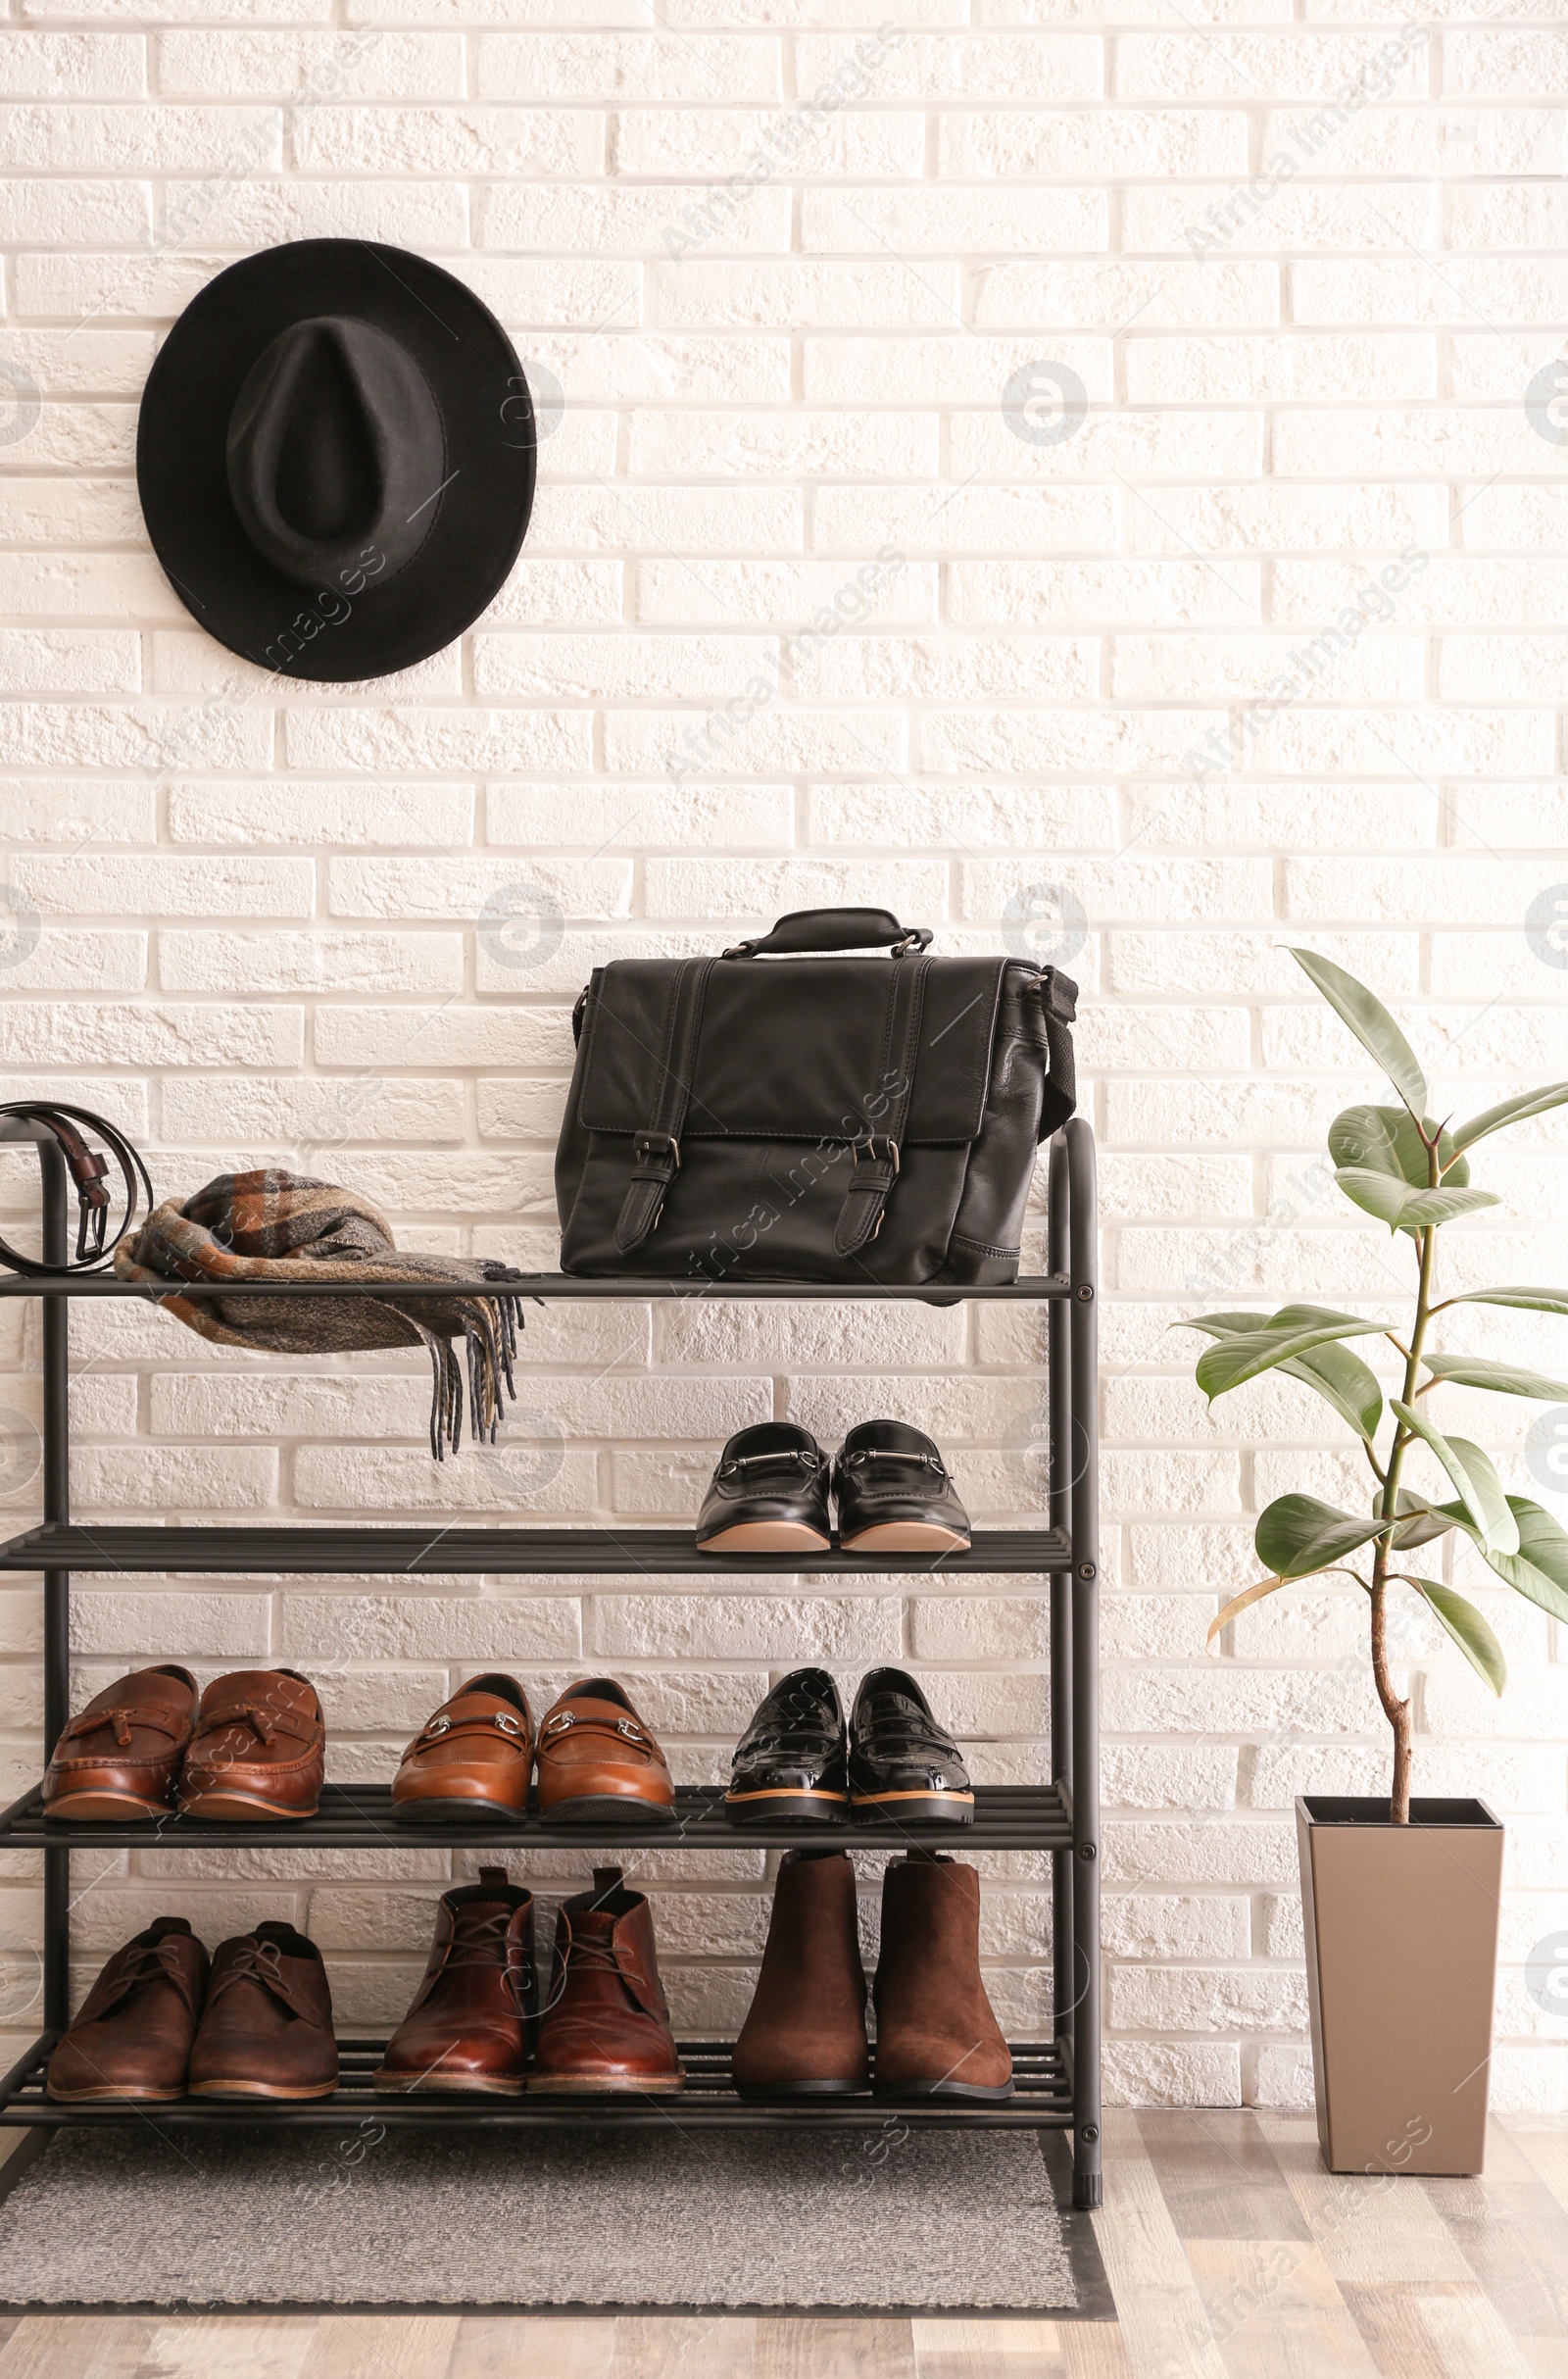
[[871, 1144], [644, 1144]]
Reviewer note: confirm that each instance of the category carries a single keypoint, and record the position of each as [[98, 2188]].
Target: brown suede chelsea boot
[[935, 2036], [805, 2033]]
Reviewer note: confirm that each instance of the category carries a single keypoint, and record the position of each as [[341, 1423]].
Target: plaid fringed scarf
[[282, 1227]]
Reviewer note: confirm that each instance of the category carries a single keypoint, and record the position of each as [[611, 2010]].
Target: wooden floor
[[1232, 2255]]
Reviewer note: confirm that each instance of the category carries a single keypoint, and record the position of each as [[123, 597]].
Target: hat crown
[[336, 453]]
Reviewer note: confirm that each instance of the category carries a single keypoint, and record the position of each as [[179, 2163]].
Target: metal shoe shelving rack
[[1057, 2081]]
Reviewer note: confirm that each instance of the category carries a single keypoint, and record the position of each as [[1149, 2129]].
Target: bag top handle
[[834, 929]]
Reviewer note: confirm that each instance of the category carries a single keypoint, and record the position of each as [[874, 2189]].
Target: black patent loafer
[[903, 1764], [792, 1764], [894, 1495], [768, 1494]]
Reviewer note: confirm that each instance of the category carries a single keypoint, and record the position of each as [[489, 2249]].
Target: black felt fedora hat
[[335, 458]]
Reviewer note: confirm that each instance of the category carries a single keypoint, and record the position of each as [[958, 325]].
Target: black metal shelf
[[1031, 1288], [1058, 2082], [1007, 1817], [355, 1551], [1042, 2100]]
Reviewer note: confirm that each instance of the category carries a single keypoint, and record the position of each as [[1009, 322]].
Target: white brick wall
[[1290, 339]]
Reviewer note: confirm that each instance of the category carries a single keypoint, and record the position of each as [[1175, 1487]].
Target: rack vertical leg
[[56, 1582], [1061, 1408], [1087, 2187]]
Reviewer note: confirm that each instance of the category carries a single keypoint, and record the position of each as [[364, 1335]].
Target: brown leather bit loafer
[[607, 2022], [267, 2028], [468, 2028], [120, 1757], [597, 1760], [259, 1748], [473, 1758], [132, 2037]]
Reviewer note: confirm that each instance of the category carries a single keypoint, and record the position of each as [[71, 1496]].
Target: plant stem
[[1398, 1713], [1395, 1710]]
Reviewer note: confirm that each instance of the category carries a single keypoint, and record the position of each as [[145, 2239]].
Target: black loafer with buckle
[[792, 1764], [903, 1764], [894, 1495], [768, 1494]]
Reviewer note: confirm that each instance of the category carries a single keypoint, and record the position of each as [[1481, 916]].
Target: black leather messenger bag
[[786, 1112]]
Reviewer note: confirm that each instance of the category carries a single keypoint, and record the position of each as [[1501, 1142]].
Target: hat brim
[[338, 632]]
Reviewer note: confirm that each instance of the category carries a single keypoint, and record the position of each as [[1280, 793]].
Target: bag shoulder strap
[[656, 1149], [1059, 1007]]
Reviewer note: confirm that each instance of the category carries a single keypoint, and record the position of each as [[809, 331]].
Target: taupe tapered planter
[[1401, 1957]]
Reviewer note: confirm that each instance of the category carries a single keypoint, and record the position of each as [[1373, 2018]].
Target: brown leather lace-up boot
[[468, 2028], [132, 2038], [935, 2036], [607, 2022], [267, 2029], [805, 2033]]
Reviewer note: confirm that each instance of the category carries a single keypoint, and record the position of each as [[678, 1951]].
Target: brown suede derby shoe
[[805, 2032], [259, 1748], [267, 2028], [473, 1759], [132, 2038], [607, 2022], [121, 1756], [597, 1760], [468, 2028]]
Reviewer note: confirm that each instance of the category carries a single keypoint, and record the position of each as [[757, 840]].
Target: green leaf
[[1426, 1521], [1340, 1377], [1534, 1301], [1294, 1330], [1469, 1630], [1408, 1209], [1385, 1140], [1538, 1570], [1371, 1024], [1507, 1378], [1344, 1381], [1296, 1536], [1472, 1472], [1510, 1110]]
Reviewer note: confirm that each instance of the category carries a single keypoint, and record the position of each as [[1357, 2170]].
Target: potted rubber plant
[[1400, 1895]]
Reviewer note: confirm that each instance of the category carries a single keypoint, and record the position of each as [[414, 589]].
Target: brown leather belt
[[90, 1174]]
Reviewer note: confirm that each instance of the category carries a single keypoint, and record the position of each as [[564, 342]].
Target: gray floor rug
[[964, 2219]]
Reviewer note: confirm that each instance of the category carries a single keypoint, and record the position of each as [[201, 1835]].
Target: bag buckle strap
[[656, 1149], [875, 1155], [655, 1160]]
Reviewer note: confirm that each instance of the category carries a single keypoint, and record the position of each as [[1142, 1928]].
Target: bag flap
[[792, 1049]]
